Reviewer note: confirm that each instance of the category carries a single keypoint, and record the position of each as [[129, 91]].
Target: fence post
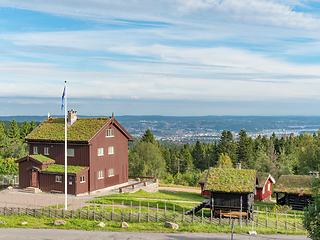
[[88, 210], [148, 210], [257, 216], [94, 209], [72, 208], [157, 213], [202, 215], [267, 217], [122, 211], [220, 219], [295, 222], [165, 210], [183, 215], [130, 211], [230, 217], [102, 208], [286, 222], [80, 209], [112, 212], [34, 207], [277, 217], [139, 211], [193, 215], [174, 217]]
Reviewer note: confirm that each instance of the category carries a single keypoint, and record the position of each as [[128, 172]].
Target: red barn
[[201, 181], [97, 155], [263, 190]]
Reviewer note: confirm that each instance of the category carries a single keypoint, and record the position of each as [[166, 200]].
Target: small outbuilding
[[263, 189], [295, 190]]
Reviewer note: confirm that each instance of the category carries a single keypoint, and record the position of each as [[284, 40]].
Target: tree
[[8, 167], [3, 138], [148, 137], [14, 130], [224, 161], [198, 155], [24, 129], [227, 145], [145, 159], [311, 216]]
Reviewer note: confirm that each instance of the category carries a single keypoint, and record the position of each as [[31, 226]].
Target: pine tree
[[24, 129], [148, 137], [14, 130]]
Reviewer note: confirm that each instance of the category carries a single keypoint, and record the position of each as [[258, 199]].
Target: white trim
[[82, 181], [100, 174], [100, 151], [111, 150], [46, 151], [58, 178], [35, 150]]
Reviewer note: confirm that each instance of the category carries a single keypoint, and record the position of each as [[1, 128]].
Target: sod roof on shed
[[56, 168], [231, 180], [262, 178], [52, 129], [296, 184], [41, 158], [203, 177]]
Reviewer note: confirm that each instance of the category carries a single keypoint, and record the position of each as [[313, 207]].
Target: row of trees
[[12, 146], [285, 155]]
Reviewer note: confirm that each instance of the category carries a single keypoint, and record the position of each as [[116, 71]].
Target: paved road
[[57, 234]]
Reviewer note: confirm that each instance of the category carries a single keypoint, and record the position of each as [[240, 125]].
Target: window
[[70, 152], [46, 151], [100, 174], [35, 150], [109, 132], [100, 152], [110, 172], [58, 178], [82, 179], [110, 150], [268, 186], [263, 190]]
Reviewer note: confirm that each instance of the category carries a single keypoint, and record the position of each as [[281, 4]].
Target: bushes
[[187, 179]]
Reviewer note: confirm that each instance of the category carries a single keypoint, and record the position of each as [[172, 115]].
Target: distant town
[[207, 128]]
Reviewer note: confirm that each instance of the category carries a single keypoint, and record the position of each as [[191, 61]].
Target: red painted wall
[[117, 161], [259, 196], [204, 192]]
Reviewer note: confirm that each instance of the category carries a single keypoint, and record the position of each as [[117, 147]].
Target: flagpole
[[65, 150]]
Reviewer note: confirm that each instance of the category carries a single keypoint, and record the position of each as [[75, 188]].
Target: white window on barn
[[269, 187], [46, 151], [70, 152], [110, 172], [255, 191], [111, 150], [58, 178], [35, 150], [100, 174], [100, 151], [82, 179], [110, 132], [263, 190]]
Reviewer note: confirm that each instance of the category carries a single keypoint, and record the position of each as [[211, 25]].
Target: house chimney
[[238, 165], [72, 117], [314, 174]]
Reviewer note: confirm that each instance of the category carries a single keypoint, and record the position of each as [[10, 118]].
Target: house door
[[34, 179]]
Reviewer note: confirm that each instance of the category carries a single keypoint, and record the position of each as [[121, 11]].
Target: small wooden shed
[[263, 189], [296, 191], [231, 189]]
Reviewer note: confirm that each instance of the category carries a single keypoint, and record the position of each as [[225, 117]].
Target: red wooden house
[[263, 189], [97, 155]]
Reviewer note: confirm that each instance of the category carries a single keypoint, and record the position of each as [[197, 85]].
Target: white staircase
[[30, 190]]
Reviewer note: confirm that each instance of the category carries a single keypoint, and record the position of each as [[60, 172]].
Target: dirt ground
[[15, 198]]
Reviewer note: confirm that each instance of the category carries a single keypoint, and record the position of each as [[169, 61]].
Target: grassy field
[[89, 225]]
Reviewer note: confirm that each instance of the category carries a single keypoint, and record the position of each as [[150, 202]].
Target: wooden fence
[[130, 213]]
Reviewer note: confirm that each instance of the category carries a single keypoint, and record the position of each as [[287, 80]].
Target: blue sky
[[163, 57]]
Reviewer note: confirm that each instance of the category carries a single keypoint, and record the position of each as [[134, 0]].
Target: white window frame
[[111, 172], [110, 132], [110, 150], [35, 150], [263, 190], [82, 179], [46, 151], [70, 152], [58, 178], [269, 187], [101, 174], [100, 151]]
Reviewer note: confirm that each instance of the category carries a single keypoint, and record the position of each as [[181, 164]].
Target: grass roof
[[56, 168], [230, 180], [41, 158], [53, 129], [296, 184], [262, 178], [203, 177]]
